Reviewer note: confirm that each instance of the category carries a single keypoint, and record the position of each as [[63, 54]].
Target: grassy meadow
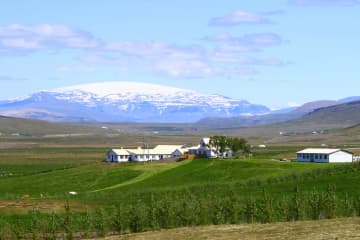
[[134, 197]]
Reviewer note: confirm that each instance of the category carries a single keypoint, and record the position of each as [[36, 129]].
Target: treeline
[[188, 210], [223, 143]]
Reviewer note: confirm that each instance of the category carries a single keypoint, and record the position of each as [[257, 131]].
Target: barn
[[324, 155]]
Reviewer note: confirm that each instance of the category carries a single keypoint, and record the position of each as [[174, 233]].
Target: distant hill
[[353, 131], [276, 116], [334, 117], [10, 126], [311, 106], [350, 99], [342, 119]]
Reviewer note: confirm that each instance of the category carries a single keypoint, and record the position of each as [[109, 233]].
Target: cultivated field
[[134, 197]]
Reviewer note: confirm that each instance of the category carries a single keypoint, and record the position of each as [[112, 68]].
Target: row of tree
[[223, 143], [186, 210]]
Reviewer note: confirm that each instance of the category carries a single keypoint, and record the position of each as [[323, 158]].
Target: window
[[325, 156]]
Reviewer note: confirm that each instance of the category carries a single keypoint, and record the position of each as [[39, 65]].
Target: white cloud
[[327, 3], [63, 68], [155, 50], [193, 61], [44, 36], [20, 43], [197, 69], [225, 55], [239, 17], [11, 78], [293, 104], [184, 69], [77, 68], [247, 42], [170, 60], [93, 58]]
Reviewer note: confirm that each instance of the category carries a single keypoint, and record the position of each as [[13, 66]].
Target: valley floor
[[341, 228]]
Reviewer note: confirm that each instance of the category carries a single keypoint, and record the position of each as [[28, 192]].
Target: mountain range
[[143, 102], [126, 102]]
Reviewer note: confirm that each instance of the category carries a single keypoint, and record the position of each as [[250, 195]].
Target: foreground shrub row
[[179, 211]]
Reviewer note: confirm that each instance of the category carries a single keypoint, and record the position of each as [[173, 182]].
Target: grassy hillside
[[322, 126], [338, 116], [25, 133], [26, 127], [53, 172], [251, 121], [146, 196]]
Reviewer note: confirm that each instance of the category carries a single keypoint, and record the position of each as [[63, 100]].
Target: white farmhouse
[[144, 154], [205, 149], [118, 155], [324, 155]]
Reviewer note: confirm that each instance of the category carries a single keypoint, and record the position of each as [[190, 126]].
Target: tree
[[222, 143], [238, 144], [219, 143]]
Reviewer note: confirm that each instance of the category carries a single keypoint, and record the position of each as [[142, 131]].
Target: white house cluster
[[164, 151]]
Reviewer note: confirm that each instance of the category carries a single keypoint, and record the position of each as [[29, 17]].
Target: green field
[[53, 172], [40, 179]]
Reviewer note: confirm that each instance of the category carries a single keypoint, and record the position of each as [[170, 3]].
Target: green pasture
[[51, 173], [35, 184]]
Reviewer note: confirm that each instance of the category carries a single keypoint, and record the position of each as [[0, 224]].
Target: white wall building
[[206, 150], [117, 155], [324, 155], [144, 154]]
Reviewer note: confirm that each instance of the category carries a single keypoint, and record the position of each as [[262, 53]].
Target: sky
[[278, 53]]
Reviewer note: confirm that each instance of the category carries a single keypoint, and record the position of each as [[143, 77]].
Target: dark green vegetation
[[236, 145], [143, 196]]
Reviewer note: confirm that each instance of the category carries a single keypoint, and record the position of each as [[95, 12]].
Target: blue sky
[[277, 53]]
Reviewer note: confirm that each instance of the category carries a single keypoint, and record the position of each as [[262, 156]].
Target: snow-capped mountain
[[127, 101]]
